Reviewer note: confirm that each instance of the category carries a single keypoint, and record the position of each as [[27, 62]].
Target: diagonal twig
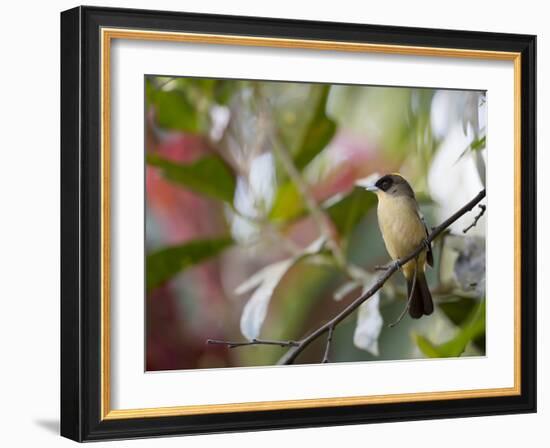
[[297, 347], [327, 347], [319, 216], [477, 218], [293, 352], [252, 342]]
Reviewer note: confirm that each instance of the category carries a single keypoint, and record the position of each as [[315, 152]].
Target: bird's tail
[[421, 301]]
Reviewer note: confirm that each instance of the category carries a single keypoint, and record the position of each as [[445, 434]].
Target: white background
[[29, 228], [133, 388]]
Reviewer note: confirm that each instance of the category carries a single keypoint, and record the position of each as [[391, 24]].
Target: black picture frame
[[81, 224]]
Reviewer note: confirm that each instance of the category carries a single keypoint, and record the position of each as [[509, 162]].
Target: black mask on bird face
[[392, 184]]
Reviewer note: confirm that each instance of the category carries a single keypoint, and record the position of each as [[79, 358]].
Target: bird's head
[[393, 185]]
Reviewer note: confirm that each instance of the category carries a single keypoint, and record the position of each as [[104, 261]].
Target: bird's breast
[[400, 225]]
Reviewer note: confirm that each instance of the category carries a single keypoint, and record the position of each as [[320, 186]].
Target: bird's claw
[[426, 244], [391, 265]]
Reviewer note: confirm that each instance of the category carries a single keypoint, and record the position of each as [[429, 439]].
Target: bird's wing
[[429, 254]]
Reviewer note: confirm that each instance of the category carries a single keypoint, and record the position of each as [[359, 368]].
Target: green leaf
[[299, 112], [312, 139], [165, 263], [196, 89], [318, 133], [209, 175], [288, 204], [424, 198], [472, 329], [346, 212], [458, 310], [173, 109], [224, 89], [476, 145]]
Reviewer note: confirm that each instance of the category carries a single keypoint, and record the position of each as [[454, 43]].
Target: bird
[[403, 229]]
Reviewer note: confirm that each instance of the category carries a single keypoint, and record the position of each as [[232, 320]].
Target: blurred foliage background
[[257, 224]]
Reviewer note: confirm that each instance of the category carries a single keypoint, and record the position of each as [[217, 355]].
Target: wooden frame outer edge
[[107, 34]]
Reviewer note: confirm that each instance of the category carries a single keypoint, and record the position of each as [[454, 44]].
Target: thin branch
[[408, 305], [317, 213], [297, 347], [252, 342], [260, 221], [319, 216], [477, 218], [292, 353], [327, 348], [383, 267]]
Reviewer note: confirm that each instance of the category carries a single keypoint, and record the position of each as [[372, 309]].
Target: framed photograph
[[276, 224]]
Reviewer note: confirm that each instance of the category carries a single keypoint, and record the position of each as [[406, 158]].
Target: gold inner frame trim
[[107, 35]]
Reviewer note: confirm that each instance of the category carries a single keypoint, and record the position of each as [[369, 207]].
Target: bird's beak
[[372, 188]]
